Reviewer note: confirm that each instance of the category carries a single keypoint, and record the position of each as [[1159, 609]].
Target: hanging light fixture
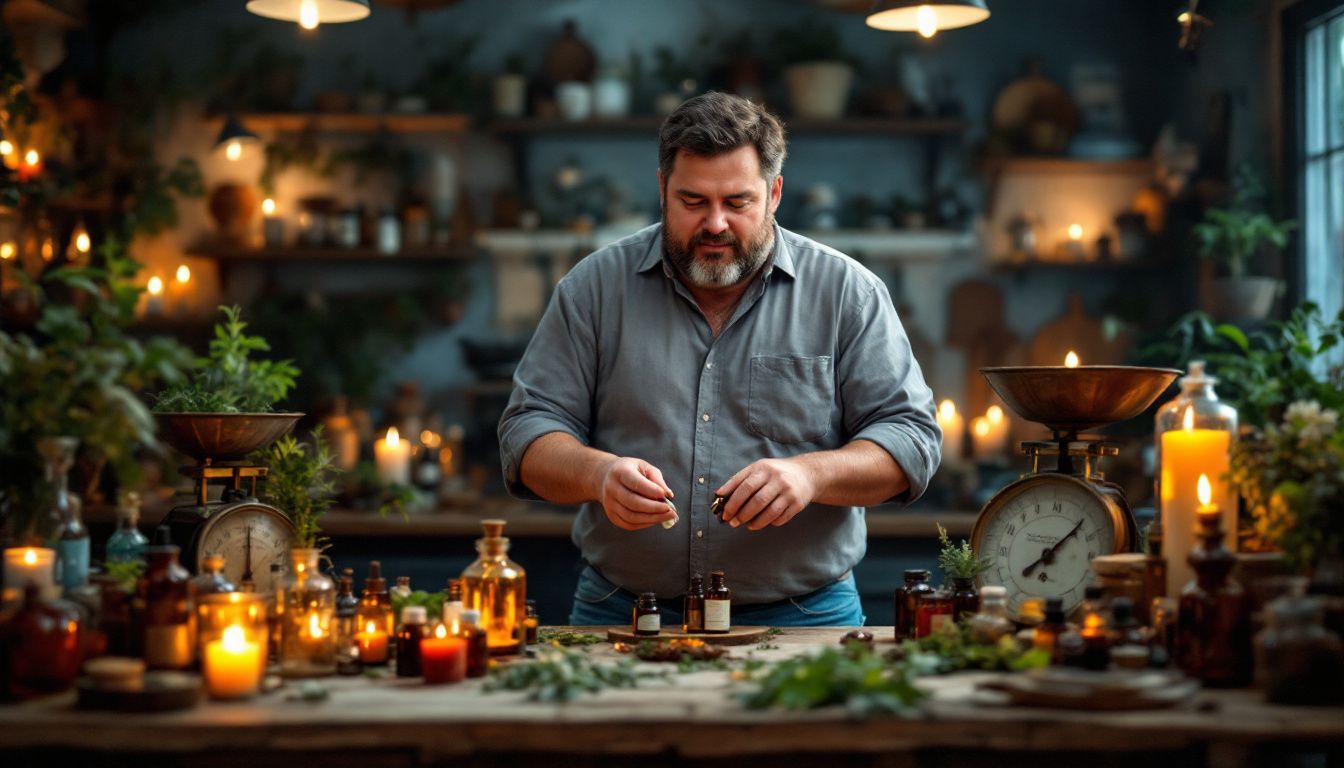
[[233, 137], [310, 13], [926, 18]]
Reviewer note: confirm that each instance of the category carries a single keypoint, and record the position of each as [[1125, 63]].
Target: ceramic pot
[[510, 95], [1241, 299], [819, 89]]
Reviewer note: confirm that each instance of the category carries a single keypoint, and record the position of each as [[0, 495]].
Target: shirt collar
[[782, 259]]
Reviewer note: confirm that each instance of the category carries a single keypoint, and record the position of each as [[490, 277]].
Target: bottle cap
[[375, 582], [471, 616], [1054, 610], [414, 614], [1093, 592], [916, 573]]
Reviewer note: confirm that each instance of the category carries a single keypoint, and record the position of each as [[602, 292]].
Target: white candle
[[29, 564], [272, 226], [981, 438], [954, 430], [393, 457]]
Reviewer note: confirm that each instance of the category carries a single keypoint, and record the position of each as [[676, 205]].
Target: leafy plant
[[562, 675], [853, 677], [1234, 235], [1292, 477], [228, 380], [432, 602], [448, 83], [958, 561], [300, 482], [954, 648]]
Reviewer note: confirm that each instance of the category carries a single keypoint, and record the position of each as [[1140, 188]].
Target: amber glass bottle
[[478, 644], [907, 601], [496, 586], [693, 606], [718, 605], [648, 619], [409, 635], [165, 593], [1048, 631], [1213, 626], [531, 623]]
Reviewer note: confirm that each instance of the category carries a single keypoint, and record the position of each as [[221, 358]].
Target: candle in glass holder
[[232, 665], [29, 564], [272, 226], [393, 457], [954, 429], [443, 657], [1073, 247], [372, 644]]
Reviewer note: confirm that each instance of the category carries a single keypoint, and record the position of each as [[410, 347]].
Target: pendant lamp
[[926, 18]]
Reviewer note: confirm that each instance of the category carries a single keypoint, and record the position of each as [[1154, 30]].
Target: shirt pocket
[[790, 397]]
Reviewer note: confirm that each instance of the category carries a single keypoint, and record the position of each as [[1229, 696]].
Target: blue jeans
[[599, 602]]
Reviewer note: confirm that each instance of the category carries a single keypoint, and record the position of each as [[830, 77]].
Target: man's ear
[[776, 192]]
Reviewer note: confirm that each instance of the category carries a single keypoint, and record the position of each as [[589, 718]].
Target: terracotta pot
[[819, 89], [1241, 299], [233, 207]]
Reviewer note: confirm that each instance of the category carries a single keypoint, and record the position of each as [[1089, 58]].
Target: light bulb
[[32, 158], [308, 14], [155, 285], [183, 274], [234, 150], [268, 207], [82, 243], [926, 21], [1071, 360], [6, 148]]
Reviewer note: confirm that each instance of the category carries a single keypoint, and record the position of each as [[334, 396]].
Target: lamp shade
[[234, 130], [328, 11], [903, 15]]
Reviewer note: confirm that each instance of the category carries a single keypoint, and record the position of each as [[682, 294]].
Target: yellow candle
[[998, 428], [1186, 454], [232, 666], [982, 437], [393, 457]]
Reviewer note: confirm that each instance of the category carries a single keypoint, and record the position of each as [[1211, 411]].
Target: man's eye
[[737, 205], [693, 203]]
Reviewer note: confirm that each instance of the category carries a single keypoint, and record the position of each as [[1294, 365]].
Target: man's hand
[[767, 492], [633, 494]]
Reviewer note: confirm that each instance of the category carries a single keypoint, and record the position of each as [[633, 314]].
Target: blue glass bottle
[[127, 543], [69, 537]]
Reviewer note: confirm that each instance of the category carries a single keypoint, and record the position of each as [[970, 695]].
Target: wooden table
[[691, 718]]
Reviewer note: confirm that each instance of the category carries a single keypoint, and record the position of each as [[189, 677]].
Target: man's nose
[[715, 221]]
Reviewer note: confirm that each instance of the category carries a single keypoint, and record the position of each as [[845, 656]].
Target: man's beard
[[739, 263]]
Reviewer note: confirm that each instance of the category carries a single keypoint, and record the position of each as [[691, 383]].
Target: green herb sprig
[[560, 675], [432, 602], [958, 561], [853, 677], [954, 648], [300, 483], [228, 380], [564, 638]]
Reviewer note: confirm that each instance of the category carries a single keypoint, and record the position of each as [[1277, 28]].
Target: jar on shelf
[[308, 630]]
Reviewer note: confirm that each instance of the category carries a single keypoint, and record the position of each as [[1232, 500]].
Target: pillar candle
[[954, 430], [232, 666], [1187, 454], [443, 657], [393, 457], [998, 429], [982, 438], [29, 564], [372, 644]]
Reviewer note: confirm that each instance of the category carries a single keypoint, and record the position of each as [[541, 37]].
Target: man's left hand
[[767, 492]]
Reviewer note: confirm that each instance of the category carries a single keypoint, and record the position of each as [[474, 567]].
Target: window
[[1316, 47]]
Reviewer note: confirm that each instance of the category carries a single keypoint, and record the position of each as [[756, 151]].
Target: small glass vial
[[127, 543], [347, 612], [693, 606], [648, 617], [1154, 575], [718, 605], [211, 580], [165, 593], [1048, 631], [908, 596], [409, 635], [452, 607], [478, 645], [935, 611], [403, 588], [1213, 634], [992, 622], [531, 623], [308, 637]]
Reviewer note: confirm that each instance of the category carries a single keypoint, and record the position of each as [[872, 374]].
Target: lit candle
[[29, 564], [998, 428], [232, 666], [181, 292], [1188, 454], [443, 657], [981, 438], [8, 154], [393, 457], [31, 165], [272, 226], [1071, 360], [80, 244], [1074, 247], [372, 644], [154, 301], [954, 430]]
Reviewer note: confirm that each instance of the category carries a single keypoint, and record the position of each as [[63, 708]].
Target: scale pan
[[223, 436], [1077, 399]]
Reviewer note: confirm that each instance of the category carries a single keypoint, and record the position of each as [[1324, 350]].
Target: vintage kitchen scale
[[249, 534], [1040, 532]]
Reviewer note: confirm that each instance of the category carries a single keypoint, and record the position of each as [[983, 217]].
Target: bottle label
[[716, 615], [73, 561], [649, 622]]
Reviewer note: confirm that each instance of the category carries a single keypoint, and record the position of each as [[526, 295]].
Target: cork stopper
[[494, 529]]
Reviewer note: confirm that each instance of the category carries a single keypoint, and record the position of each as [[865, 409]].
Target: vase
[[1242, 299], [233, 207], [819, 89], [308, 636]]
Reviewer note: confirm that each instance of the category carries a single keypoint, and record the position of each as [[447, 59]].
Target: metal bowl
[[1081, 398], [223, 436]]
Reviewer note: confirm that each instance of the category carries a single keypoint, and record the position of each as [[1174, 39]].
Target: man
[[718, 354]]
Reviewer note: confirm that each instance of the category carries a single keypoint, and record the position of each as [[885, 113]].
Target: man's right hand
[[633, 494]]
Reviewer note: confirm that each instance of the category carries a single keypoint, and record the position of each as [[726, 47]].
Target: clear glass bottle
[[69, 537], [908, 596], [452, 607], [308, 631], [165, 594], [403, 588], [992, 621], [1194, 435], [1213, 628], [211, 580], [718, 605], [127, 543], [496, 586], [693, 606]]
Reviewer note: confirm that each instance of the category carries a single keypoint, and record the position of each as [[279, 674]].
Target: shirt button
[[709, 365], [700, 533], [704, 417], [700, 479]]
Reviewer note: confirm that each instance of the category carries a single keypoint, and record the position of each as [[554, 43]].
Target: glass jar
[[992, 621], [496, 586], [935, 611], [211, 580], [907, 601], [1297, 660], [165, 597], [39, 646], [1194, 434], [965, 599], [308, 637], [232, 634], [127, 543]]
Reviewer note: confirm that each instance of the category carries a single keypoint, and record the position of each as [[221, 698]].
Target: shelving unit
[[356, 122], [333, 255], [648, 125]]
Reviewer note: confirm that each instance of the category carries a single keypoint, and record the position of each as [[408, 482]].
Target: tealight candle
[[393, 457], [372, 644], [1187, 455], [232, 666], [954, 430], [443, 657], [29, 564]]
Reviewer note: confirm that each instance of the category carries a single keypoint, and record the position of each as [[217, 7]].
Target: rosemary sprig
[[560, 675]]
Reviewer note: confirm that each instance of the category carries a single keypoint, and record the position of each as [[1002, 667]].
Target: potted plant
[[300, 482], [1232, 237], [817, 70], [962, 566]]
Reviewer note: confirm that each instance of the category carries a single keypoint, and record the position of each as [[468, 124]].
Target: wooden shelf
[[649, 125], [330, 255], [1068, 165], [334, 122]]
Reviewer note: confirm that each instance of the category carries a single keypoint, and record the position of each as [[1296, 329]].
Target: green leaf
[[1235, 335]]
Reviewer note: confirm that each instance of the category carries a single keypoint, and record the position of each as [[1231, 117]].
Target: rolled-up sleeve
[[884, 396], [552, 386]]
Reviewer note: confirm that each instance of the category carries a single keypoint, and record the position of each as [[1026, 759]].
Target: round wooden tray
[[734, 636], [161, 692]]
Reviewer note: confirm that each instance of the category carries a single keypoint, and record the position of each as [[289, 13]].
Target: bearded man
[[719, 355]]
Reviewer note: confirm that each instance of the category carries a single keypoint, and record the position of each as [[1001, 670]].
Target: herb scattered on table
[[677, 649], [854, 677], [565, 638], [954, 648], [560, 675]]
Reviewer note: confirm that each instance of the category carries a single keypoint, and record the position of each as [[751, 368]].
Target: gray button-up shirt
[[813, 357]]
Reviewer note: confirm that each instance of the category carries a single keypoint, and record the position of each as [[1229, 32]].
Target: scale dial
[[1041, 532], [250, 536]]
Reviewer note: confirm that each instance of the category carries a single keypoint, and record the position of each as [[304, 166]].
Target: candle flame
[[268, 206], [7, 250], [30, 557], [314, 626], [6, 148], [1071, 360], [1205, 490], [393, 436], [1075, 231], [234, 641], [82, 242], [370, 627], [308, 18], [155, 285], [48, 249], [440, 632], [947, 410], [1093, 621], [980, 426], [32, 158], [926, 21], [994, 414], [183, 274]]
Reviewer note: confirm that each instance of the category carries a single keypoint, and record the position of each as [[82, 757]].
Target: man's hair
[[715, 123]]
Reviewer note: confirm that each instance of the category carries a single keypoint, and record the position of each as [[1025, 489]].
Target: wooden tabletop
[[689, 716]]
